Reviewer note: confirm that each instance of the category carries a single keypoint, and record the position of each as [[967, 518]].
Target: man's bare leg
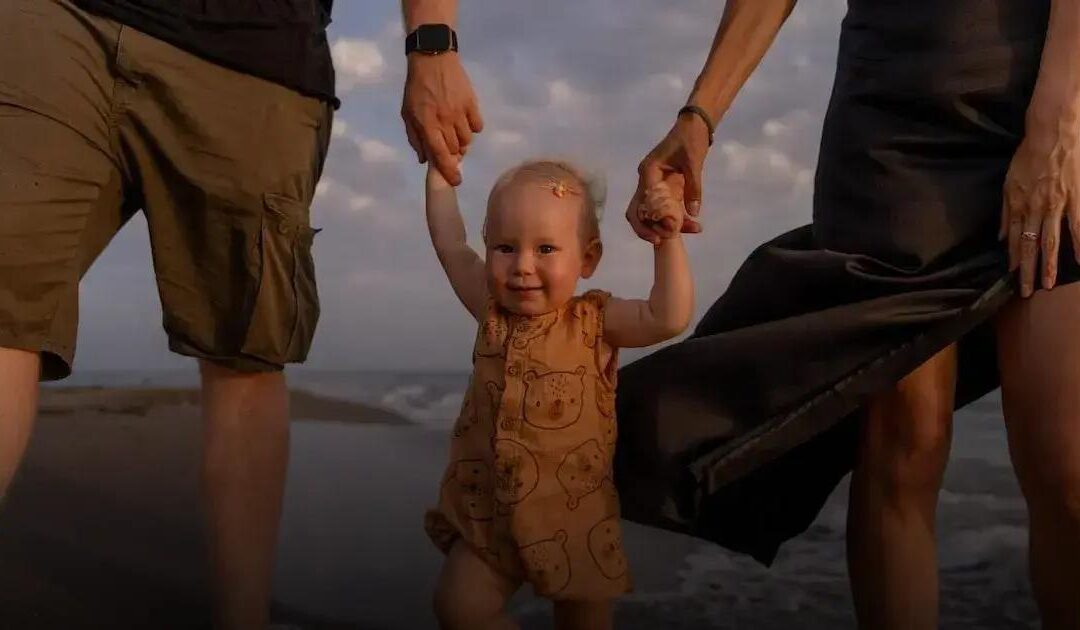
[[19, 371], [892, 554], [246, 449]]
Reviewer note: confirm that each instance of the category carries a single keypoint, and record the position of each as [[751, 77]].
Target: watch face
[[433, 38]]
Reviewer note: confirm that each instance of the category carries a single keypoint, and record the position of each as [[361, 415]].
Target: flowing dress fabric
[[739, 433]]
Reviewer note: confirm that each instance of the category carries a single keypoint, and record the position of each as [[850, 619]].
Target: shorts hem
[[238, 363], [56, 359]]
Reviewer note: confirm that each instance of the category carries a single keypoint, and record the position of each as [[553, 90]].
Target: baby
[[528, 494]]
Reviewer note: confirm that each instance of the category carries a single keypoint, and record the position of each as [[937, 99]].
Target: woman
[[947, 206]]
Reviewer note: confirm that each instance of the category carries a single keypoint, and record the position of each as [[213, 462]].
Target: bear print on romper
[[540, 413]]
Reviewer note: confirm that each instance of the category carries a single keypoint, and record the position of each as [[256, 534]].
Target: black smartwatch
[[431, 39]]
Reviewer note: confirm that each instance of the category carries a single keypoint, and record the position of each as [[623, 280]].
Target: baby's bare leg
[[581, 615], [471, 595]]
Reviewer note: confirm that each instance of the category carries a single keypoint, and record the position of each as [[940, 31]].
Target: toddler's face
[[535, 248]]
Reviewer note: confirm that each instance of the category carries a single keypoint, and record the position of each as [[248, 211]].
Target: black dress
[[740, 433]]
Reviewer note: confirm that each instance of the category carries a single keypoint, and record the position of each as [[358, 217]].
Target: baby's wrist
[[435, 180], [668, 240]]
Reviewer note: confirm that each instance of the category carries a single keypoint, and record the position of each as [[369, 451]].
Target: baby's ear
[[591, 257]]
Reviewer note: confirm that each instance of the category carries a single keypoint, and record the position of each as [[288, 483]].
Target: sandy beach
[[102, 530]]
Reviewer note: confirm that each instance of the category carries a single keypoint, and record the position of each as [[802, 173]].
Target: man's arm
[[417, 12], [439, 107]]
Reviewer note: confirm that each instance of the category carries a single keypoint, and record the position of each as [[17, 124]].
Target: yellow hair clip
[[559, 188]]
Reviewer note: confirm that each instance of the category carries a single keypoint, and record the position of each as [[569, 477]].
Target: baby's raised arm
[[464, 268], [667, 312]]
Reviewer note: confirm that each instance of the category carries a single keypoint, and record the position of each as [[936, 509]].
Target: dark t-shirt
[[283, 41]]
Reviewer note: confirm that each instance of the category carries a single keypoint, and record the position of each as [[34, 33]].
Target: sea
[[353, 547]]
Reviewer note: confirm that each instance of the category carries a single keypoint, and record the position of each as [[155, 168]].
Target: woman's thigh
[[1039, 361]]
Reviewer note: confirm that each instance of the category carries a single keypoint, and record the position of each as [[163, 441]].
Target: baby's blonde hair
[[564, 178]]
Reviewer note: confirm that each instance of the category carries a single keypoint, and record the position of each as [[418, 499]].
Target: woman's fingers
[[1028, 243], [1072, 213], [1051, 242], [1012, 219]]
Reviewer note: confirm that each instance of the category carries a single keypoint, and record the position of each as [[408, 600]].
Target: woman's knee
[[908, 432], [1052, 488], [912, 461]]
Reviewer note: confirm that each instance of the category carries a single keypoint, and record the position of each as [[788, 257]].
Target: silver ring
[[1029, 236]]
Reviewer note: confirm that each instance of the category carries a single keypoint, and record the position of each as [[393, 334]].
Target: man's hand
[[440, 111], [676, 161]]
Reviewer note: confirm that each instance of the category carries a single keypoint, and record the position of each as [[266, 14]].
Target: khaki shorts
[[98, 121]]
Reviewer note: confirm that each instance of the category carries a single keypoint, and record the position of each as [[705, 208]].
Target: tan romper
[[529, 482]]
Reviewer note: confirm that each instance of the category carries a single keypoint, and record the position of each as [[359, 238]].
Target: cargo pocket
[[286, 306]]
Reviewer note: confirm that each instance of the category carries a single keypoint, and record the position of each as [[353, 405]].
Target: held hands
[[1041, 188], [440, 111], [661, 211], [676, 161], [436, 181]]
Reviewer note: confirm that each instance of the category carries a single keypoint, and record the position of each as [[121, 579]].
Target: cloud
[[376, 151], [598, 81], [357, 62], [502, 138]]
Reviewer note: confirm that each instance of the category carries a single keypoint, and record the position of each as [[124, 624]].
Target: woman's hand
[[677, 162], [1042, 187]]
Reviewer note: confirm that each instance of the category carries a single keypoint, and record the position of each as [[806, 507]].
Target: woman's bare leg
[[1039, 359], [904, 446]]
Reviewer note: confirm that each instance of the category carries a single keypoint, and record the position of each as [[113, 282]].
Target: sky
[[596, 81]]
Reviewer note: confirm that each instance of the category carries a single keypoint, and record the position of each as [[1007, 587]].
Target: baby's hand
[[435, 179], [661, 211]]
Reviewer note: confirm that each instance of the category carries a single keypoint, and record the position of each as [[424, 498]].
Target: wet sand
[[101, 528]]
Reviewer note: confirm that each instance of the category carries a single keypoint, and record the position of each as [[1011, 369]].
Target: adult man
[[214, 118]]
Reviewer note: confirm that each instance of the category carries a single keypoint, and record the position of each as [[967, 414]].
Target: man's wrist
[[417, 12], [431, 39]]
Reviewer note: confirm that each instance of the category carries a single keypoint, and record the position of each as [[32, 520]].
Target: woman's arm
[[747, 29], [667, 312], [1055, 104], [464, 268], [1043, 183]]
